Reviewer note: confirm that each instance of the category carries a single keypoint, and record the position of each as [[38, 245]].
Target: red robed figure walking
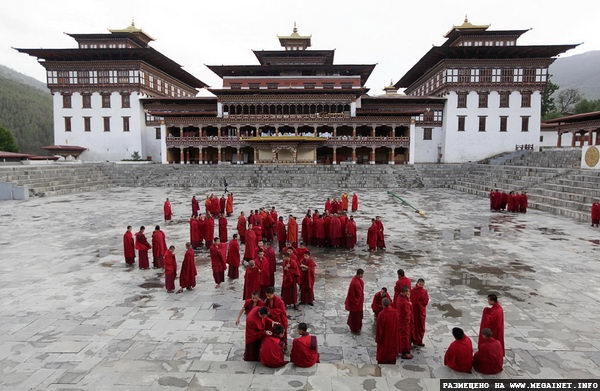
[[142, 245], [167, 211], [354, 202], [250, 248], [187, 276], [292, 232], [170, 269], [386, 335], [354, 302], [223, 229], [350, 233], [372, 234], [307, 279], [159, 247], [289, 284], [195, 206], [241, 227], [217, 261], [595, 214], [493, 319], [233, 258], [405, 325], [419, 299], [128, 247], [251, 280]]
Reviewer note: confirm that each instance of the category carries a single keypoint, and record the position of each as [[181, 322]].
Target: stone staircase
[[556, 157], [56, 179]]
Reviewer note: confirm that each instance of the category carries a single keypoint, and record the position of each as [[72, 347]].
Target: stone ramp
[[556, 157]]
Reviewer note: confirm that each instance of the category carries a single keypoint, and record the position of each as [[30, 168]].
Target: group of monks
[[595, 214], [511, 202]]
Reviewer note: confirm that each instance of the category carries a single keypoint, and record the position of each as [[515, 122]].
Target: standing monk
[[405, 325], [248, 305], [377, 304], [129, 246], [350, 233], [335, 231], [380, 235], [241, 227], [277, 311], [223, 229], [159, 247], [250, 247], [251, 279], [289, 283], [268, 224], [271, 263], [305, 352], [372, 234], [195, 206], [292, 231], [256, 324], [493, 319], [229, 204], [187, 276], [222, 202], [354, 202], [307, 228], [209, 230], [355, 299], [344, 202], [142, 245], [217, 261], [402, 281], [419, 299], [386, 335], [319, 230], [307, 279], [170, 269], [281, 233], [233, 258], [595, 213], [167, 211]]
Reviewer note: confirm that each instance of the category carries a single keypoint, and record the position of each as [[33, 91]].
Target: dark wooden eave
[[138, 38], [575, 118], [290, 91], [457, 33], [267, 57]]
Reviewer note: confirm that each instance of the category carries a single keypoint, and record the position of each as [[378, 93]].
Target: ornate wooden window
[[529, 75], [474, 75], [125, 100], [427, 133], [541, 75], [503, 123], [461, 123], [496, 75], [63, 77], [525, 124], [106, 100], [451, 75], [486, 75], [507, 75], [525, 98], [86, 101], [83, 77], [67, 124], [106, 122], [126, 124], [103, 77], [66, 98], [518, 75], [482, 121], [123, 76], [504, 98], [157, 133], [483, 99], [438, 115], [461, 101], [87, 124]]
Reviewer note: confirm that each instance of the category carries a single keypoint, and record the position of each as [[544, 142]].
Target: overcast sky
[[394, 34]]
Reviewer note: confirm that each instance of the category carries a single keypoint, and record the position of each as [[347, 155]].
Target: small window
[[125, 100], [462, 100], [67, 124], [126, 124], [328, 86], [87, 124], [427, 133], [254, 86], [346, 86], [66, 101], [272, 86], [504, 98], [482, 121], [503, 123], [461, 123], [157, 136], [309, 86], [236, 86], [541, 139], [525, 124], [105, 101], [474, 75], [86, 101], [483, 99], [106, 124], [526, 99]]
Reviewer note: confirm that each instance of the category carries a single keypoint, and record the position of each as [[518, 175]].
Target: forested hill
[[580, 72], [26, 110]]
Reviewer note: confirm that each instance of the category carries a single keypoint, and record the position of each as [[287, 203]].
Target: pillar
[[354, 136], [573, 138], [163, 143], [590, 137], [597, 137], [354, 153], [255, 155], [238, 159], [219, 155], [391, 156], [295, 130], [411, 141], [334, 131], [334, 160], [559, 140], [372, 156], [181, 156], [373, 131], [200, 152]]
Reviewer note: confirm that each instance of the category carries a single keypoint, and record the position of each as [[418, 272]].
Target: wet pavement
[[73, 316]]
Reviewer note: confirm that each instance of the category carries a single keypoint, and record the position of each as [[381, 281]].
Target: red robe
[[292, 232], [249, 304], [350, 234], [319, 227], [223, 229], [241, 228], [215, 206], [277, 311], [170, 270], [274, 216], [459, 355], [271, 260], [250, 247], [257, 233], [335, 207], [251, 281], [354, 302], [344, 202], [195, 234], [217, 261], [159, 247], [167, 211], [405, 325], [222, 203], [328, 206], [335, 231], [142, 245], [201, 235], [128, 248], [229, 205], [595, 213], [372, 237], [489, 357], [195, 206], [289, 283], [386, 336], [271, 352], [187, 276], [233, 259], [307, 230], [402, 281], [307, 280], [493, 319], [255, 332], [354, 203], [209, 231], [305, 352], [419, 299], [380, 235], [268, 227], [263, 277], [281, 233], [376, 305]]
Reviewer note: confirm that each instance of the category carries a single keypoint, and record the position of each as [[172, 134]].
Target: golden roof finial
[[295, 28], [132, 21], [466, 19]]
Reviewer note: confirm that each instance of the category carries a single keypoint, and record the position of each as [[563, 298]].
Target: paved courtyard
[[72, 316]]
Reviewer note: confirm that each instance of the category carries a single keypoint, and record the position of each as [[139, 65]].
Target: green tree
[[567, 99], [548, 105], [587, 106], [8, 143]]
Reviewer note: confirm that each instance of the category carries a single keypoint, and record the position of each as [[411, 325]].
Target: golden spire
[[466, 25], [391, 89]]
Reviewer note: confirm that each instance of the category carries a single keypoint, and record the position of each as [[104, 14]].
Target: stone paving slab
[[85, 321]]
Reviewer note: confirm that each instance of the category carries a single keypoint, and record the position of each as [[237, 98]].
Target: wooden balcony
[[339, 141]]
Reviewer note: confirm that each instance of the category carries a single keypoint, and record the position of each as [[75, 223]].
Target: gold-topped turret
[[131, 29], [466, 25], [391, 89], [295, 41]]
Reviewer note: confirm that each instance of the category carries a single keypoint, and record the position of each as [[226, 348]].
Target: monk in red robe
[[268, 224], [217, 261], [159, 247], [354, 202], [327, 225], [222, 202], [307, 279], [207, 204], [335, 206], [405, 324], [319, 228], [167, 211], [344, 202], [419, 299], [328, 205], [273, 214], [372, 234], [251, 247], [281, 233], [129, 246], [248, 305], [170, 269], [524, 202], [380, 235], [272, 349], [215, 206], [493, 200], [493, 319], [402, 281], [202, 229], [489, 357], [386, 335], [271, 263], [350, 233], [223, 229], [289, 283], [258, 232], [233, 258], [195, 232], [459, 355], [229, 205], [595, 214], [307, 228], [256, 330], [335, 231], [142, 245], [251, 279], [277, 310], [209, 230], [377, 304], [187, 276], [305, 351], [195, 206], [354, 302], [241, 227], [292, 231], [263, 264]]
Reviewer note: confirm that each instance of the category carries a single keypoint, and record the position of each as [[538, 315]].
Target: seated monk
[[305, 352], [459, 355], [489, 357], [272, 348]]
